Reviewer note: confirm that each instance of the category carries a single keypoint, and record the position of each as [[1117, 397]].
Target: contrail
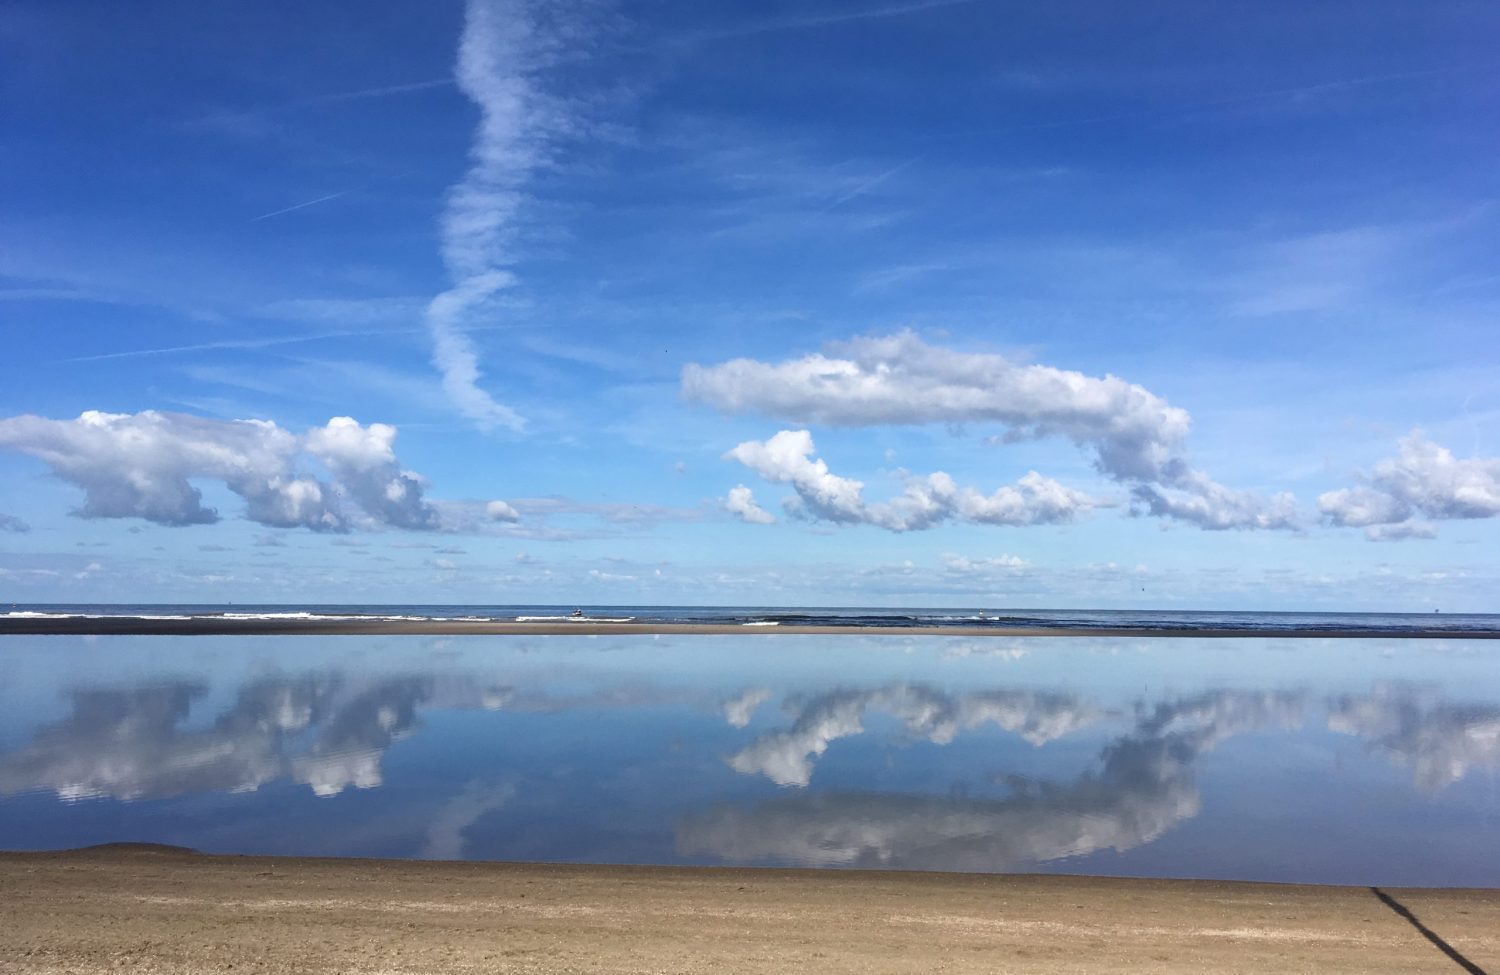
[[299, 206], [519, 125], [869, 184], [380, 92], [818, 20], [264, 343]]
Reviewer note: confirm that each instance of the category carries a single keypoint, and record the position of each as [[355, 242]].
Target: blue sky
[[942, 303]]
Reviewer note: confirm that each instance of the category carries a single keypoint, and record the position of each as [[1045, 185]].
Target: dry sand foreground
[[160, 910]]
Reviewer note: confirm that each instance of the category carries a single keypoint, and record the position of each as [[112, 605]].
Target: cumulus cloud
[[143, 465], [786, 756], [741, 502], [925, 501], [1136, 437], [899, 379], [1422, 480], [500, 511], [1143, 787], [1439, 742], [504, 48], [10, 523], [362, 460], [1199, 500]]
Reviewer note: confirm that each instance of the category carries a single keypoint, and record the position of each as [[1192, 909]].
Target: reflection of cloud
[[130, 744], [959, 651], [127, 744], [1440, 742], [445, 834], [740, 709], [348, 751], [1142, 789], [786, 757]]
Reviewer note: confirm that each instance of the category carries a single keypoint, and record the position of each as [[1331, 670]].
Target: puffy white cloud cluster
[[1136, 436], [501, 511], [899, 379], [143, 465], [741, 503], [786, 756], [1144, 787], [1199, 500], [925, 501], [1440, 742], [1424, 480]]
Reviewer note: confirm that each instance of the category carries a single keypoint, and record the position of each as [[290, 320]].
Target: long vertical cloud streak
[[497, 57]]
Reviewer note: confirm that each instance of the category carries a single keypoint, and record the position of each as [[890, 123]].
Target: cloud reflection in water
[[1143, 786], [131, 743]]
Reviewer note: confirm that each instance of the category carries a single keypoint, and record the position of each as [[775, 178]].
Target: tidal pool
[[1329, 761]]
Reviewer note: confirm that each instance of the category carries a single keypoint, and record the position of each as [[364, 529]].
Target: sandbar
[[360, 626]]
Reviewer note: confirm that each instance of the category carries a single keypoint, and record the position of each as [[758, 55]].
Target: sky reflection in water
[[1328, 761]]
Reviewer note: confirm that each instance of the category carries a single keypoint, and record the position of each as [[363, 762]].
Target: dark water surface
[[1347, 761]]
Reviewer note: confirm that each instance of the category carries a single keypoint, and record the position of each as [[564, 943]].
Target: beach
[[159, 909]]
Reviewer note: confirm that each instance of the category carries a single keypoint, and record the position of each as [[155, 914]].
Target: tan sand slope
[[160, 910]]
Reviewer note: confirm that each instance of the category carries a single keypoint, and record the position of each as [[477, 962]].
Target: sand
[[218, 626], [161, 910]]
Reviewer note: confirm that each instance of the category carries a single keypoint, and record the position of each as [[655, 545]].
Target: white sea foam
[[574, 619]]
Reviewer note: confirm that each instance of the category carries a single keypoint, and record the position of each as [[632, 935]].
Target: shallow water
[[1347, 761]]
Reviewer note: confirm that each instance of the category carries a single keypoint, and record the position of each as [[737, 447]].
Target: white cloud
[[900, 379], [787, 458], [1201, 501], [963, 564], [505, 44], [500, 511], [1401, 532], [142, 465], [1422, 479], [741, 502], [363, 461], [1135, 436]]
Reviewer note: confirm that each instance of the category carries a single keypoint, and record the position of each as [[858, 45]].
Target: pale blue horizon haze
[[934, 303]]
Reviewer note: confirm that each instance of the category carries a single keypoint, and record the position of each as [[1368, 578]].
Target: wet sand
[[215, 626], [150, 909]]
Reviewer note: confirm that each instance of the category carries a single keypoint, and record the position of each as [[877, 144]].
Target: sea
[[1395, 624], [1316, 757]]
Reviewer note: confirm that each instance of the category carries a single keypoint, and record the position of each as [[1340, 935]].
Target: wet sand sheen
[[164, 910], [217, 626]]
